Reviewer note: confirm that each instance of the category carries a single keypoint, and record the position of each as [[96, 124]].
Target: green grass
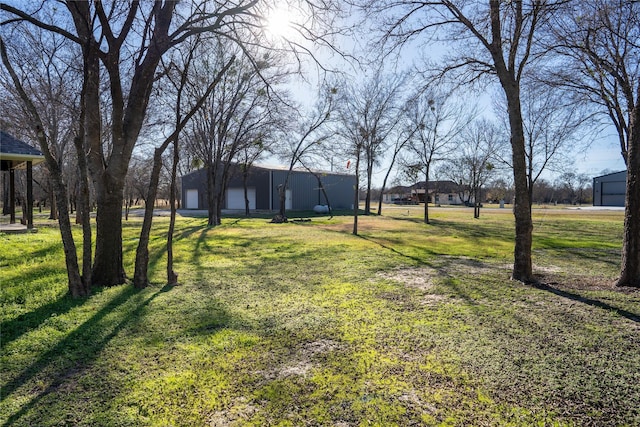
[[304, 324]]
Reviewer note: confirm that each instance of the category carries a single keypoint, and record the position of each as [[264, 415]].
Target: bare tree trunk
[[630, 271], [324, 191], [356, 201], [245, 177], [220, 196], [172, 276], [140, 278], [54, 211], [140, 275], [384, 183], [326, 198], [215, 195], [282, 195], [77, 287], [212, 196], [367, 200], [108, 267], [426, 195], [522, 267], [83, 212]]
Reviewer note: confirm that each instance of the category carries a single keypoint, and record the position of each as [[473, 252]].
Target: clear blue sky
[[603, 153]]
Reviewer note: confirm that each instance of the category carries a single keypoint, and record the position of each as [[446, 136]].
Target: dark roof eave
[[19, 160], [608, 174]]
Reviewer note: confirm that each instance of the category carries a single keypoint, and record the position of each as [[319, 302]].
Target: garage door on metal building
[[192, 199], [235, 198], [613, 193]]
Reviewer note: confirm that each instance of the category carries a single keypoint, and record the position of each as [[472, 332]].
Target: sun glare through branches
[[281, 22]]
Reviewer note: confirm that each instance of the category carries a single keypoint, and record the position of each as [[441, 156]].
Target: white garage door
[[192, 199], [235, 198], [288, 201]]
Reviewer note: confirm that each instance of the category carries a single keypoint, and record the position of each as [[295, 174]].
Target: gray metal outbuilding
[[303, 190], [610, 189]]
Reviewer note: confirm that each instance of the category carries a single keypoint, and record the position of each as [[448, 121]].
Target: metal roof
[[612, 173]]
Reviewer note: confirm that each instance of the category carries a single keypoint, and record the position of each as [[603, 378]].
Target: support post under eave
[[12, 196], [29, 195]]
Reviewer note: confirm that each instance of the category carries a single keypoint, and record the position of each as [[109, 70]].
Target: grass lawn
[[303, 324]]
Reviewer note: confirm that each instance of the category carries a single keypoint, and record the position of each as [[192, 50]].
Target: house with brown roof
[[438, 192]]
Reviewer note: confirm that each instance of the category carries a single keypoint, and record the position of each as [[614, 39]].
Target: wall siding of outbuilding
[[610, 190], [196, 180], [341, 190], [305, 190]]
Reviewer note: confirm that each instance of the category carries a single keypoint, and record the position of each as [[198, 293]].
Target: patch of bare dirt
[[422, 278], [302, 361], [412, 277], [239, 413], [546, 269], [299, 364], [411, 399], [434, 299]]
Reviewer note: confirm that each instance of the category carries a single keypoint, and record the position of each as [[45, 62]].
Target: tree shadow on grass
[[48, 250], [15, 328], [201, 244], [589, 301], [189, 231], [155, 255], [394, 250], [606, 256], [79, 348]]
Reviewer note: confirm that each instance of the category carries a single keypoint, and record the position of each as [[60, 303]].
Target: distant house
[[439, 192], [399, 194], [303, 190], [610, 189]]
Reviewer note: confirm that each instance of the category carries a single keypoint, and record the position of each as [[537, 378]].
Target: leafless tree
[[573, 185], [472, 166], [435, 122], [121, 44], [555, 127], [499, 190], [370, 113], [599, 44], [544, 192], [240, 110], [401, 140], [306, 136], [43, 78], [248, 155], [489, 38], [177, 76]]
